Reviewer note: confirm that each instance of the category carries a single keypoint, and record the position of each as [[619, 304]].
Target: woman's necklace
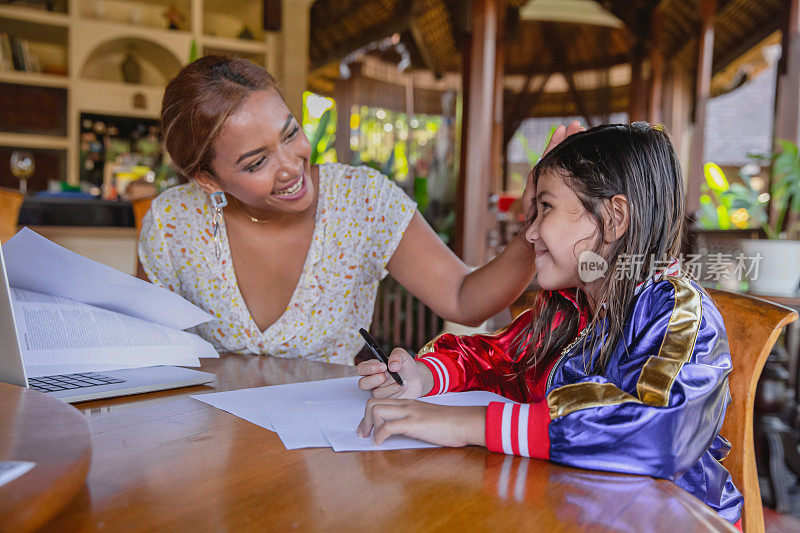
[[248, 215]]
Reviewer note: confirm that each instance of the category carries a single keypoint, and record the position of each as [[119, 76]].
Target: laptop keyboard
[[70, 381]]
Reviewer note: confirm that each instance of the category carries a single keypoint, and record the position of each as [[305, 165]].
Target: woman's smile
[[294, 190]]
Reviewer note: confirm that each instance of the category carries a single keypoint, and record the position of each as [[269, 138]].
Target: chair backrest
[[402, 320], [753, 326], [525, 301], [10, 204], [140, 208]]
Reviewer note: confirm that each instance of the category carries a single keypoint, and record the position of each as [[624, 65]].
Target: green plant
[[723, 204], [193, 51], [517, 179], [785, 191], [319, 133], [741, 204]]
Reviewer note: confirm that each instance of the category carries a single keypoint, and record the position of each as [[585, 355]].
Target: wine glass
[[22, 167]]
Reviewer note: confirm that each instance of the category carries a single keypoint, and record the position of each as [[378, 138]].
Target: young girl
[[623, 363]]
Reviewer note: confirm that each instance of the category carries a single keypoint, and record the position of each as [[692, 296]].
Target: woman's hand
[[559, 134], [444, 425], [417, 379]]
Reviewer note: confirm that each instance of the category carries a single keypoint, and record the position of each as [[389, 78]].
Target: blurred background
[[454, 100]]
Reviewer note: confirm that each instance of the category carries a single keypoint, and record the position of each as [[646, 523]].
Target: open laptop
[[84, 386]]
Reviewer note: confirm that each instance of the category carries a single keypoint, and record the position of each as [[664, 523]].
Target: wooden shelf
[[33, 78], [93, 38], [36, 16], [234, 45], [28, 140], [113, 27], [137, 13], [116, 98]]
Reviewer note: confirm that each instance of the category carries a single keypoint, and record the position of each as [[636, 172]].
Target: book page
[[37, 264], [57, 331]]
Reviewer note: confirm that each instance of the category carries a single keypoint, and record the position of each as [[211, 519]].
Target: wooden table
[[38, 428], [166, 462]]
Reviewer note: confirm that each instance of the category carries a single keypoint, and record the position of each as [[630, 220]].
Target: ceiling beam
[[559, 46], [525, 100], [608, 62]]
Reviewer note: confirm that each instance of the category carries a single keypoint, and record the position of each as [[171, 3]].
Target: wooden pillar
[[345, 94], [657, 68], [409, 94], [475, 170], [705, 55], [787, 99], [637, 104], [497, 113], [295, 29], [677, 113]]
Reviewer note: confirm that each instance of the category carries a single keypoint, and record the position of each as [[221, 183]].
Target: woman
[[288, 255]]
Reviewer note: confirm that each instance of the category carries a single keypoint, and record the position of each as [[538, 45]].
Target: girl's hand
[[444, 425], [417, 379]]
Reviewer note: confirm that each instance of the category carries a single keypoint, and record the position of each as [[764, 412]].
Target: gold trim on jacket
[[658, 373]]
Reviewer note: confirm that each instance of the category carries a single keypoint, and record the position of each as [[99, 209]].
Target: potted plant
[[779, 267]]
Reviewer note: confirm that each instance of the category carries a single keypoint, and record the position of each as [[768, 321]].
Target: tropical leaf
[[388, 167], [715, 177], [193, 51], [319, 133]]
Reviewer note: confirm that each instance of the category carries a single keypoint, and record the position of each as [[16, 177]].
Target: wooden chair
[[140, 208], [402, 320], [524, 302], [10, 204], [753, 325]]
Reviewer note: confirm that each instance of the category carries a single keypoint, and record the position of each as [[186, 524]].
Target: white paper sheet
[[322, 413], [242, 403], [293, 420], [37, 264], [289, 398], [62, 336], [11, 470], [339, 419]]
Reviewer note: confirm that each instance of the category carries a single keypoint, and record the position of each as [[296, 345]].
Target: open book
[[74, 315]]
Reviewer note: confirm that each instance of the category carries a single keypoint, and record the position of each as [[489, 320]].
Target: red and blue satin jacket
[[655, 410]]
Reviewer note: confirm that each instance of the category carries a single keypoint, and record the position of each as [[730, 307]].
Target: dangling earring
[[218, 201]]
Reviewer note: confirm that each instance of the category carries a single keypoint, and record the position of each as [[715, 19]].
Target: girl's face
[[262, 156], [561, 231]]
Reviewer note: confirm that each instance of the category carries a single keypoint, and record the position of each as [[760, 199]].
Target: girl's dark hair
[[199, 100], [639, 162]]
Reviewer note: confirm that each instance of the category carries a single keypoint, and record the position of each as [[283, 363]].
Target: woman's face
[[262, 156]]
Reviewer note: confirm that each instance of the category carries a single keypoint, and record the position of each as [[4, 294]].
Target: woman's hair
[[638, 162], [198, 101]]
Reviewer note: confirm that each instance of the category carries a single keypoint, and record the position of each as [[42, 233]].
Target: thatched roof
[[537, 46], [432, 30], [739, 25]]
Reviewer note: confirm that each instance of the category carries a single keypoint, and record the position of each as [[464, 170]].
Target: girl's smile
[[561, 230]]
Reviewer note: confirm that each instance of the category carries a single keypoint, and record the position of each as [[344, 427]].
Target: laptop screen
[[11, 368]]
